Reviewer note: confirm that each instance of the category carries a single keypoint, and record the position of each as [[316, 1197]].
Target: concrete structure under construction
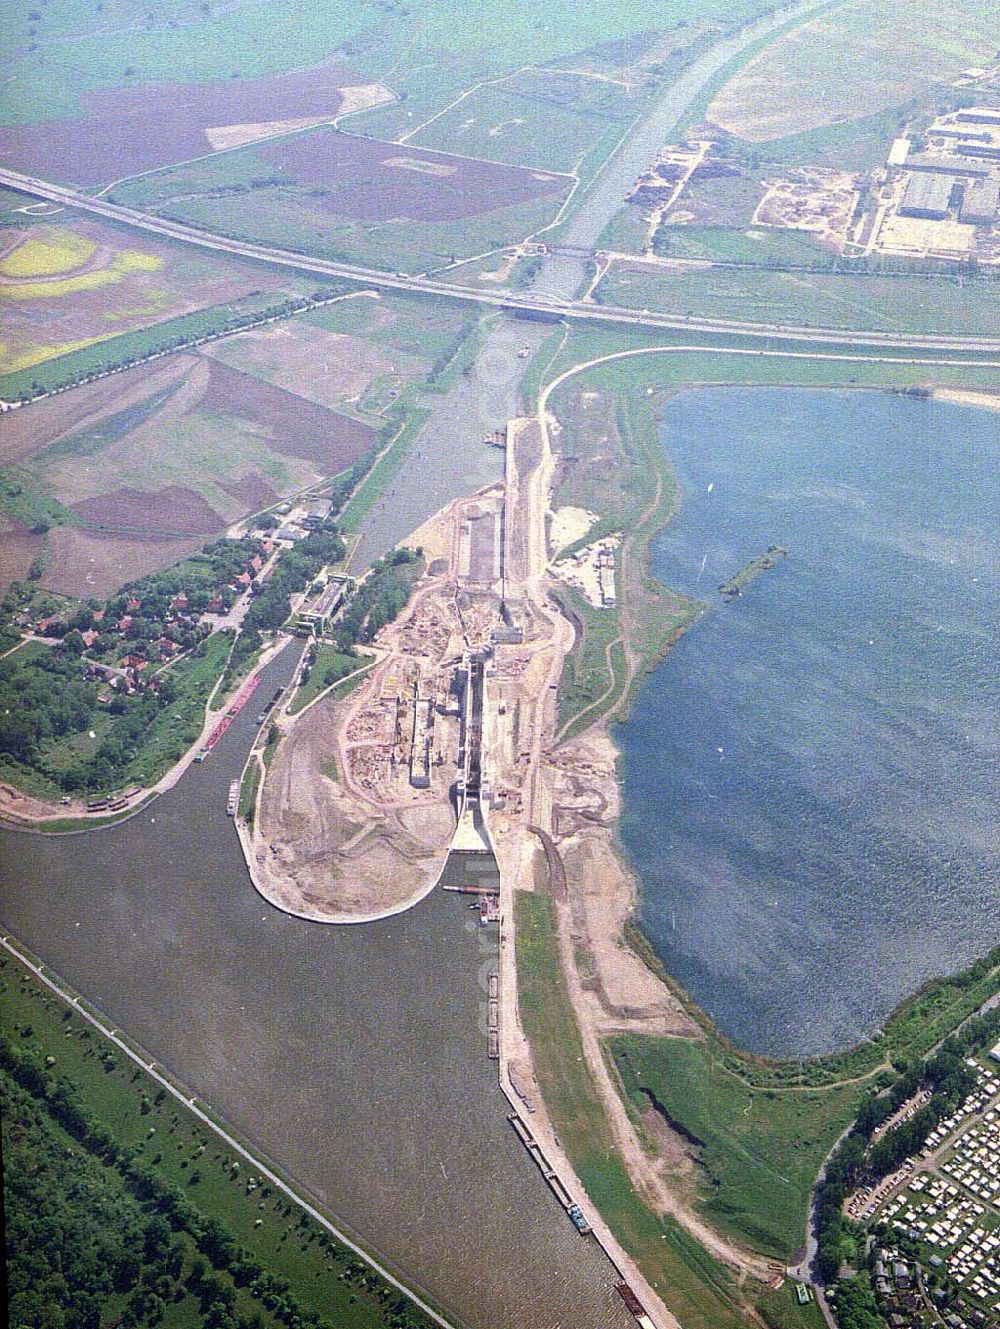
[[420, 747], [316, 618], [928, 196]]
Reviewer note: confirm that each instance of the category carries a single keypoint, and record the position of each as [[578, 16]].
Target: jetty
[[762, 563]]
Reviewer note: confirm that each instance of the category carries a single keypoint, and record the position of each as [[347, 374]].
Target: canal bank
[[356, 1058]]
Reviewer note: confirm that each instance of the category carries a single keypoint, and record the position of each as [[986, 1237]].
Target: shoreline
[[640, 542], [54, 820]]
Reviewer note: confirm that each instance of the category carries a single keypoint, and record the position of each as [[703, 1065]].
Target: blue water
[[810, 776]]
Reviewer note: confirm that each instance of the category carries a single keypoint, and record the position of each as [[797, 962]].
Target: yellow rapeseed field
[[126, 263], [48, 251]]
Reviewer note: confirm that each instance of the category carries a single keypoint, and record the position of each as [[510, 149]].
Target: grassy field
[[724, 244], [183, 1152], [864, 55], [759, 1150], [70, 48], [621, 483], [547, 119], [780, 1310], [698, 108], [288, 217], [851, 145], [626, 232], [248, 792], [897, 304], [329, 667], [694, 1286], [596, 666], [677, 360]]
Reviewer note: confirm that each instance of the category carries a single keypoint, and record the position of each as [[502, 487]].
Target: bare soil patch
[[252, 491], [298, 428], [128, 130], [29, 430], [18, 549], [320, 851], [434, 187], [224, 137], [96, 563], [173, 510]]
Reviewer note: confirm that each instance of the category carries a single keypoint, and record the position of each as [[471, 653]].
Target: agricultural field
[[858, 58], [341, 196], [356, 355], [546, 118], [130, 473], [66, 52], [66, 285], [129, 130], [928, 304]]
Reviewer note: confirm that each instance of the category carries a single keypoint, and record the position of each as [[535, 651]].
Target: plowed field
[[366, 180], [132, 129]]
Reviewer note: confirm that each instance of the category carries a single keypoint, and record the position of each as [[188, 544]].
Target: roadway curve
[[533, 301]]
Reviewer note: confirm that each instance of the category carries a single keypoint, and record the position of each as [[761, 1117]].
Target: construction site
[[364, 795]]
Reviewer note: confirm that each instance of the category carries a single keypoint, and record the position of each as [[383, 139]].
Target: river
[[810, 777]]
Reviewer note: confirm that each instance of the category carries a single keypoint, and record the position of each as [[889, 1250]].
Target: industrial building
[[950, 165], [981, 203], [928, 196], [979, 115]]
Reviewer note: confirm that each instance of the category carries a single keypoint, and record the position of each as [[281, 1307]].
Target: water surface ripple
[[811, 776]]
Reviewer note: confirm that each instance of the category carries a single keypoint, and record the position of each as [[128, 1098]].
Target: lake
[[810, 777]]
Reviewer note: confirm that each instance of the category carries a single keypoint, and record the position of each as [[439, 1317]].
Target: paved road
[[561, 273]]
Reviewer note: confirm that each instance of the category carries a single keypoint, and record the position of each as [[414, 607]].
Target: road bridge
[[535, 303]]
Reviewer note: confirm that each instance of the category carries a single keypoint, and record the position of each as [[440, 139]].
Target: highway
[[532, 301]]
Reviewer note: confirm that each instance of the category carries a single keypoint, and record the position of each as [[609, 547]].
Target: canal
[[354, 1057]]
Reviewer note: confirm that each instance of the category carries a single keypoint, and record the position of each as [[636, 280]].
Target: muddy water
[[355, 1057]]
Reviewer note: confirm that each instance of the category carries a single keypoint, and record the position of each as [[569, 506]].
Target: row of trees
[[379, 599], [140, 1236]]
